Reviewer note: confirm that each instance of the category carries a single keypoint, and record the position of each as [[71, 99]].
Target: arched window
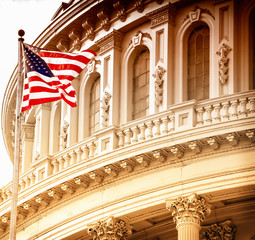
[[141, 77], [198, 63], [94, 106]]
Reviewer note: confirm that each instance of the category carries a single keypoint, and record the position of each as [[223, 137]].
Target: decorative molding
[[177, 152], [121, 12], [213, 143], [233, 139], [111, 228], [105, 106], [143, 161], [112, 40], [163, 15], [225, 230], [195, 13], [111, 171], [190, 209], [195, 147], [75, 35], [88, 24], [223, 62], [159, 83], [64, 135], [137, 39], [159, 156], [28, 131], [103, 15], [139, 6], [63, 43]]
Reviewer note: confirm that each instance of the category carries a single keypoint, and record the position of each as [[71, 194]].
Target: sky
[[33, 16]]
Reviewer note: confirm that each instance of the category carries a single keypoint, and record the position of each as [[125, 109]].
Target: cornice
[[66, 189]]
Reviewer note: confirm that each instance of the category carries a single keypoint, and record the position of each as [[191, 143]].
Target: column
[[111, 228], [188, 212], [27, 147]]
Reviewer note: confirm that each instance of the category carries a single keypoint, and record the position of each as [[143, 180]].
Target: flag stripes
[[49, 74]]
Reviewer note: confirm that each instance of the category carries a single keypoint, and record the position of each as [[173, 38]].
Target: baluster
[[121, 138], [67, 161], [23, 185], [165, 125], [61, 162], [208, 115], [216, 112], [172, 124], [142, 128], [55, 166], [225, 107], [157, 127], [135, 132], [85, 151], [127, 133], [92, 150], [149, 127], [78, 155], [32, 178], [73, 156], [200, 113], [252, 104], [243, 110], [234, 112], [27, 180]]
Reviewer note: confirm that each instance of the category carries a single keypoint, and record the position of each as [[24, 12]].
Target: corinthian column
[[110, 229], [188, 212]]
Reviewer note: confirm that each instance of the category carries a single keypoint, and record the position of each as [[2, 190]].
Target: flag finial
[[21, 33]]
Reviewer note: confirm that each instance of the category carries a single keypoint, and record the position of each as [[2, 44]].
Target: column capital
[[111, 228], [190, 209]]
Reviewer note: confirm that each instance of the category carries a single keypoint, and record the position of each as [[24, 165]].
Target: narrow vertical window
[[94, 108], [198, 63], [141, 77]]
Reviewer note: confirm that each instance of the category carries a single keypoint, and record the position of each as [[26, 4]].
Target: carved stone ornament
[[105, 106], [121, 12], [159, 83], [112, 40], [163, 15], [88, 25], [28, 131], [138, 4], [63, 135], [110, 229], [103, 15], [91, 66], [224, 231], [195, 15], [190, 209], [63, 43], [75, 35], [223, 62]]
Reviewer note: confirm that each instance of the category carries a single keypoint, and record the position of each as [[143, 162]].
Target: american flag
[[48, 75]]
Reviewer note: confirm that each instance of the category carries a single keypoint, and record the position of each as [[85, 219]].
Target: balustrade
[[208, 112]]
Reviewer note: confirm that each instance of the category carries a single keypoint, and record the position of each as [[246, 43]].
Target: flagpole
[[15, 178]]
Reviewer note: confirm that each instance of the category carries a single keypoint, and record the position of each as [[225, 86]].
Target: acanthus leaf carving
[[225, 230], [159, 82], [105, 106], [63, 43], [111, 228], [223, 62], [139, 5]]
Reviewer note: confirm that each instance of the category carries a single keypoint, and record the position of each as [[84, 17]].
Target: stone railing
[[178, 118]]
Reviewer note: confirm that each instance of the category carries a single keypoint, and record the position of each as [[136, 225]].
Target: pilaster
[[110, 51], [27, 140], [162, 26]]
